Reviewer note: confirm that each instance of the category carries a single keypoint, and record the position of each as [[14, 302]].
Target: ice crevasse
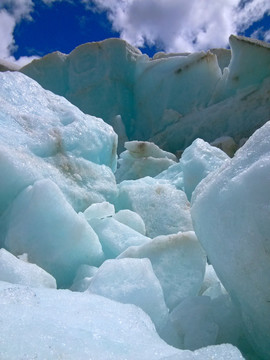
[[142, 255]]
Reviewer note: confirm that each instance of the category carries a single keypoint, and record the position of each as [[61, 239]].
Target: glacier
[[134, 204], [169, 100]]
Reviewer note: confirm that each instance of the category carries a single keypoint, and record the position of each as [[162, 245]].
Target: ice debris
[[63, 217], [197, 161], [43, 224]]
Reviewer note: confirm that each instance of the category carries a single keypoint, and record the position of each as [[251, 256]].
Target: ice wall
[[170, 99]]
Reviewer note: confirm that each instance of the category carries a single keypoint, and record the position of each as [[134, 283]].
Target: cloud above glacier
[[180, 25], [170, 25]]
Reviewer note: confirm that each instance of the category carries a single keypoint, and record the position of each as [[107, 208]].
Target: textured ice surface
[[16, 271], [197, 161], [142, 159], [178, 262], [161, 100], [44, 136], [41, 223], [68, 325], [163, 208], [132, 281], [231, 218], [59, 324]]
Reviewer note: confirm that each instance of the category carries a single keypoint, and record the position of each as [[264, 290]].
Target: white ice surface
[[231, 218]]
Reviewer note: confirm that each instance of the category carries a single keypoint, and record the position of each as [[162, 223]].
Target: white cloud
[[181, 25], [11, 13], [18, 8], [7, 24], [251, 12], [261, 34]]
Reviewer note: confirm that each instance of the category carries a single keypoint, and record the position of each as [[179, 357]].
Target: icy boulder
[[163, 208], [115, 237], [131, 219], [44, 136], [178, 262], [231, 218], [132, 281], [99, 211], [197, 161], [41, 223], [142, 159], [68, 325], [17, 271]]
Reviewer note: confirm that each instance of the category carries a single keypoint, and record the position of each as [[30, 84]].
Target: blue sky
[[36, 27]]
